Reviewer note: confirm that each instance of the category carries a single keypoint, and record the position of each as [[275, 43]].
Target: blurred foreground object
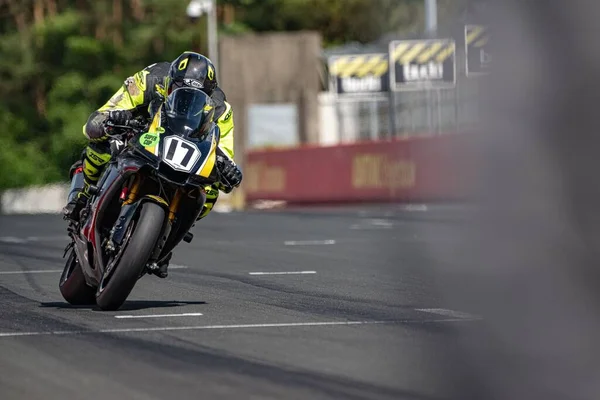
[[527, 263]]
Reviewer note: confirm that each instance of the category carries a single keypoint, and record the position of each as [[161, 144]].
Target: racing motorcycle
[[147, 199]]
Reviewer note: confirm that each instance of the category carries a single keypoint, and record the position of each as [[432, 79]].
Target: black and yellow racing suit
[[136, 94]]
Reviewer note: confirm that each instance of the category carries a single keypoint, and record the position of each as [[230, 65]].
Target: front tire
[[72, 283], [138, 248]]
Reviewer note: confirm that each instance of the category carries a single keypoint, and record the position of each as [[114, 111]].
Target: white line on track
[[414, 207], [448, 313], [202, 327], [283, 273], [308, 242], [12, 239], [174, 266], [373, 223], [159, 315], [39, 271]]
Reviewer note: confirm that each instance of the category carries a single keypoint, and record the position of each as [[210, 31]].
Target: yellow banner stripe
[[381, 69], [412, 53], [399, 50], [474, 34], [444, 54], [428, 54], [482, 42], [352, 67], [333, 68], [338, 65], [368, 67]]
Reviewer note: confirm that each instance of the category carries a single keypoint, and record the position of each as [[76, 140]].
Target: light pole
[[431, 17], [195, 9]]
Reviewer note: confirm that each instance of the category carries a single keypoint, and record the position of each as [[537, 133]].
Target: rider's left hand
[[230, 172], [119, 117]]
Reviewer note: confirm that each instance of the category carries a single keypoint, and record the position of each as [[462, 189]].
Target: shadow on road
[[131, 305]]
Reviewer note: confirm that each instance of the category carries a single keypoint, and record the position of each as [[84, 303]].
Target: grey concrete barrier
[[50, 199]]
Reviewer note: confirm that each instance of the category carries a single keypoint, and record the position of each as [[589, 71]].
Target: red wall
[[416, 169]]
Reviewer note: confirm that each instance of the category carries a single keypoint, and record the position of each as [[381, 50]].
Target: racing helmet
[[192, 70]]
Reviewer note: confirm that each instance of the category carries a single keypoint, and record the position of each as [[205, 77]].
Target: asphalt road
[[362, 321]]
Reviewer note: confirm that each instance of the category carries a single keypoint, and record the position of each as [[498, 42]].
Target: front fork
[[173, 208], [130, 197]]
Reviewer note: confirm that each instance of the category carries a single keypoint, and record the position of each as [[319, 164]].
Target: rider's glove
[[231, 175], [119, 117]]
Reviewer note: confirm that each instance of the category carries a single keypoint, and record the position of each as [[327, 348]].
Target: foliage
[[339, 21], [60, 60]]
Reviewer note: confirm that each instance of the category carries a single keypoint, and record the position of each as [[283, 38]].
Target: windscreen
[[189, 112]]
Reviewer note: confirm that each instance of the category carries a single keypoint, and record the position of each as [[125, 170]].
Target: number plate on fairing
[[180, 154]]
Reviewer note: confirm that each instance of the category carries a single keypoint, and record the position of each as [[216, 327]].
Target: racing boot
[[86, 173], [78, 195]]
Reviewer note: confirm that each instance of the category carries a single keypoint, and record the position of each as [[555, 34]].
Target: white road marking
[[448, 313], [373, 223], [380, 222], [12, 239], [159, 315], [283, 273], [308, 242], [175, 266], [202, 327], [39, 271], [414, 207]]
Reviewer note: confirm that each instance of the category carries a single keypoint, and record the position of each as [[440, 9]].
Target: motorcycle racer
[[135, 98]]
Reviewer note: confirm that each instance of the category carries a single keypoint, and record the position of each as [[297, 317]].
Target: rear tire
[[72, 284], [139, 247]]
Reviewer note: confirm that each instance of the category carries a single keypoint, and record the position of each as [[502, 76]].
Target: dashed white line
[[12, 239], [373, 223], [175, 266], [283, 273], [308, 242], [448, 313], [245, 326], [158, 315], [415, 207], [39, 271]]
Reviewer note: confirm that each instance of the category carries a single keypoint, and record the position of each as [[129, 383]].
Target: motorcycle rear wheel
[[116, 285], [72, 283]]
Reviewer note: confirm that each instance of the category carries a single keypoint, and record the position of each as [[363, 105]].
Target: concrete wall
[[272, 68], [47, 199], [50, 199]]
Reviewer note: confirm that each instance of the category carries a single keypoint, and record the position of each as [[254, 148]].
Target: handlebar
[[131, 124]]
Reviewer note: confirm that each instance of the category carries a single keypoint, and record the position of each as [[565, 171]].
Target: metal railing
[[437, 111]]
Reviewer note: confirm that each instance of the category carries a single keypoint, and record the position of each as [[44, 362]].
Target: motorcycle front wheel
[[140, 240]]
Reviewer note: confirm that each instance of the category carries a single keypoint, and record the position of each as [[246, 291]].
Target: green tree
[[339, 21]]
